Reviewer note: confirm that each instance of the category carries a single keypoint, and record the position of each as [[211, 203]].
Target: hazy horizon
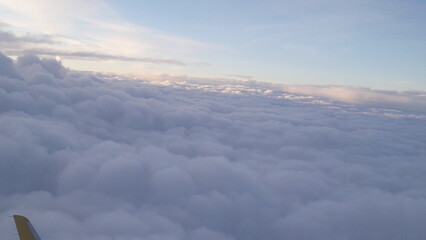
[[377, 44]]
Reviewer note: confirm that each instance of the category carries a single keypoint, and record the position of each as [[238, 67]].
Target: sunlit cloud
[[403, 100], [90, 30]]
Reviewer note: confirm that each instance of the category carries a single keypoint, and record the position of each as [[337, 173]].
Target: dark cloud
[[238, 76], [9, 37], [105, 157], [7, 69]]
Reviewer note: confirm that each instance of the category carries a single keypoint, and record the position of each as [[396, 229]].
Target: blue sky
[[372, 43]]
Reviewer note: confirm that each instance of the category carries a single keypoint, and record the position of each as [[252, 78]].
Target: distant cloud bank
[[401, 100], [100, 157]]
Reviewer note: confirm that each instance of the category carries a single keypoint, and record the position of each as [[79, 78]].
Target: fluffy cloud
[[91, 156]]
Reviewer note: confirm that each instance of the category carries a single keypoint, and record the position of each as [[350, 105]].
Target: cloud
[[43, 45], [14, 44], [100, 56], [102, 35], [242, 77], [6, 36], [401, 100], [97, 156], [391, 102]]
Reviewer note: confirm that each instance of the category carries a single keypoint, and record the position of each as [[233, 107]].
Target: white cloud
[[89, 27], [386, 102], [402, 100], [108, 157]]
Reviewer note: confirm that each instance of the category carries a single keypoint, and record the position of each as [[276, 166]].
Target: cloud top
[[92, 156]]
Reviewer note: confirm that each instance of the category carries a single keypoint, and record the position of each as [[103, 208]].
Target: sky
[[213, 120], [95, 156], [368, 43]]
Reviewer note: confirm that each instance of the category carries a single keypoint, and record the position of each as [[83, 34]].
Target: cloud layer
[[91, 156], [401, 100]]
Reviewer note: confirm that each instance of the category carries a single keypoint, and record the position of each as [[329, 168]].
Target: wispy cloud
[[101, 35], [48, 45], [98, 56], [239, 76]]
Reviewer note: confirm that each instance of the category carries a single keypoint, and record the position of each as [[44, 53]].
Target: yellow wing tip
[[25, 230], [20, 218]]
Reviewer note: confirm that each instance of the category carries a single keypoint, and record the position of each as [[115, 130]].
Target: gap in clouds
[[95, 156]]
